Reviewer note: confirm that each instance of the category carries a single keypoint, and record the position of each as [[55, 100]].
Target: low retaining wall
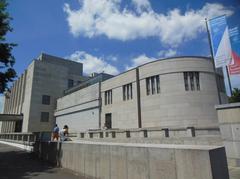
[[229, 120], [120, 160]]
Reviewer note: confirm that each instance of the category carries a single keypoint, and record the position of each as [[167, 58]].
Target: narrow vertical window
[[127, 92], [192, 81], [131, 95], [197, 80], [148, 86], [108, 97], [124, 92], [158, 83], [185, 74], [105, 99], [153, 84]]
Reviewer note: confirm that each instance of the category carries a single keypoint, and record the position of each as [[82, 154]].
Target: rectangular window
[[127, 92], [148, 86], [124, 92], [158, 84], [197, 80], [186, 81], [192, 79], [45, 99], [70, 83], [153, 85], [131, 94], [44, 116], [108, 97], [105, 99]]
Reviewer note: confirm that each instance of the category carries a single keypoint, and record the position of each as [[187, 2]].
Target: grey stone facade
[[46, 77], [162, 93]]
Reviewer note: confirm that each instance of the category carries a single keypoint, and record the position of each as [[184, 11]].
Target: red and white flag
[[234, 66]]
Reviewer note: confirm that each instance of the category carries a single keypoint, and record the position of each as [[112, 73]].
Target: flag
[[234, 66], [220, 41]]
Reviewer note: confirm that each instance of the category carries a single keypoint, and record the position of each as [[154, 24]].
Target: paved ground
[[17, 164]]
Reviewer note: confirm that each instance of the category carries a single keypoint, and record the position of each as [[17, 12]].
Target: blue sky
[[114, 35]]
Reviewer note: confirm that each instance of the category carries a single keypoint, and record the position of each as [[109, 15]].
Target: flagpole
[[229, 81], [213, 62]]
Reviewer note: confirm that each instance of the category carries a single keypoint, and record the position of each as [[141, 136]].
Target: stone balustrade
[[149, 133], [23, 138]]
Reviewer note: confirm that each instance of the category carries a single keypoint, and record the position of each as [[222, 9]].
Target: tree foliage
[[235, 96], [7, 60]]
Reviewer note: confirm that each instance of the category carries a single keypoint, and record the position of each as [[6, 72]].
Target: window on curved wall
[[185, 74], [148, 86], [197, 80], [153, 85], [127, 92], [191, 81]]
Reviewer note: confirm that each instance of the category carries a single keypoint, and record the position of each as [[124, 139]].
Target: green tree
[[7, 60], [235, 96]]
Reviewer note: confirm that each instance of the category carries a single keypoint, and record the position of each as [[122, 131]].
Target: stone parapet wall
[[120, 160], [229, 120]]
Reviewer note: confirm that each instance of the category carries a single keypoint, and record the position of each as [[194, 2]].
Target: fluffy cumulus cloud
[[107, 17], [141, 59], [93, 64], [167, 53]]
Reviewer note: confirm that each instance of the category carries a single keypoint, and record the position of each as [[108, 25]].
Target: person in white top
[[64, 134]]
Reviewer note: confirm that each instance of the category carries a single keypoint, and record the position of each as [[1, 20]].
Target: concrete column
[[3, 127], [10, 126], [23, 89], [11, 100], [7, 127], [6, 105], [17, 96], [20, 95], [14, 97]]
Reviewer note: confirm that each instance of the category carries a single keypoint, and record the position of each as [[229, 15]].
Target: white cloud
[[106, 17], [141, 59], [142, 5], [93, 64], [167, 53], [112, 58]]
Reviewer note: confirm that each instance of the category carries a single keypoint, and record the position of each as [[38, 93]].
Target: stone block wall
[[229, 120]]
